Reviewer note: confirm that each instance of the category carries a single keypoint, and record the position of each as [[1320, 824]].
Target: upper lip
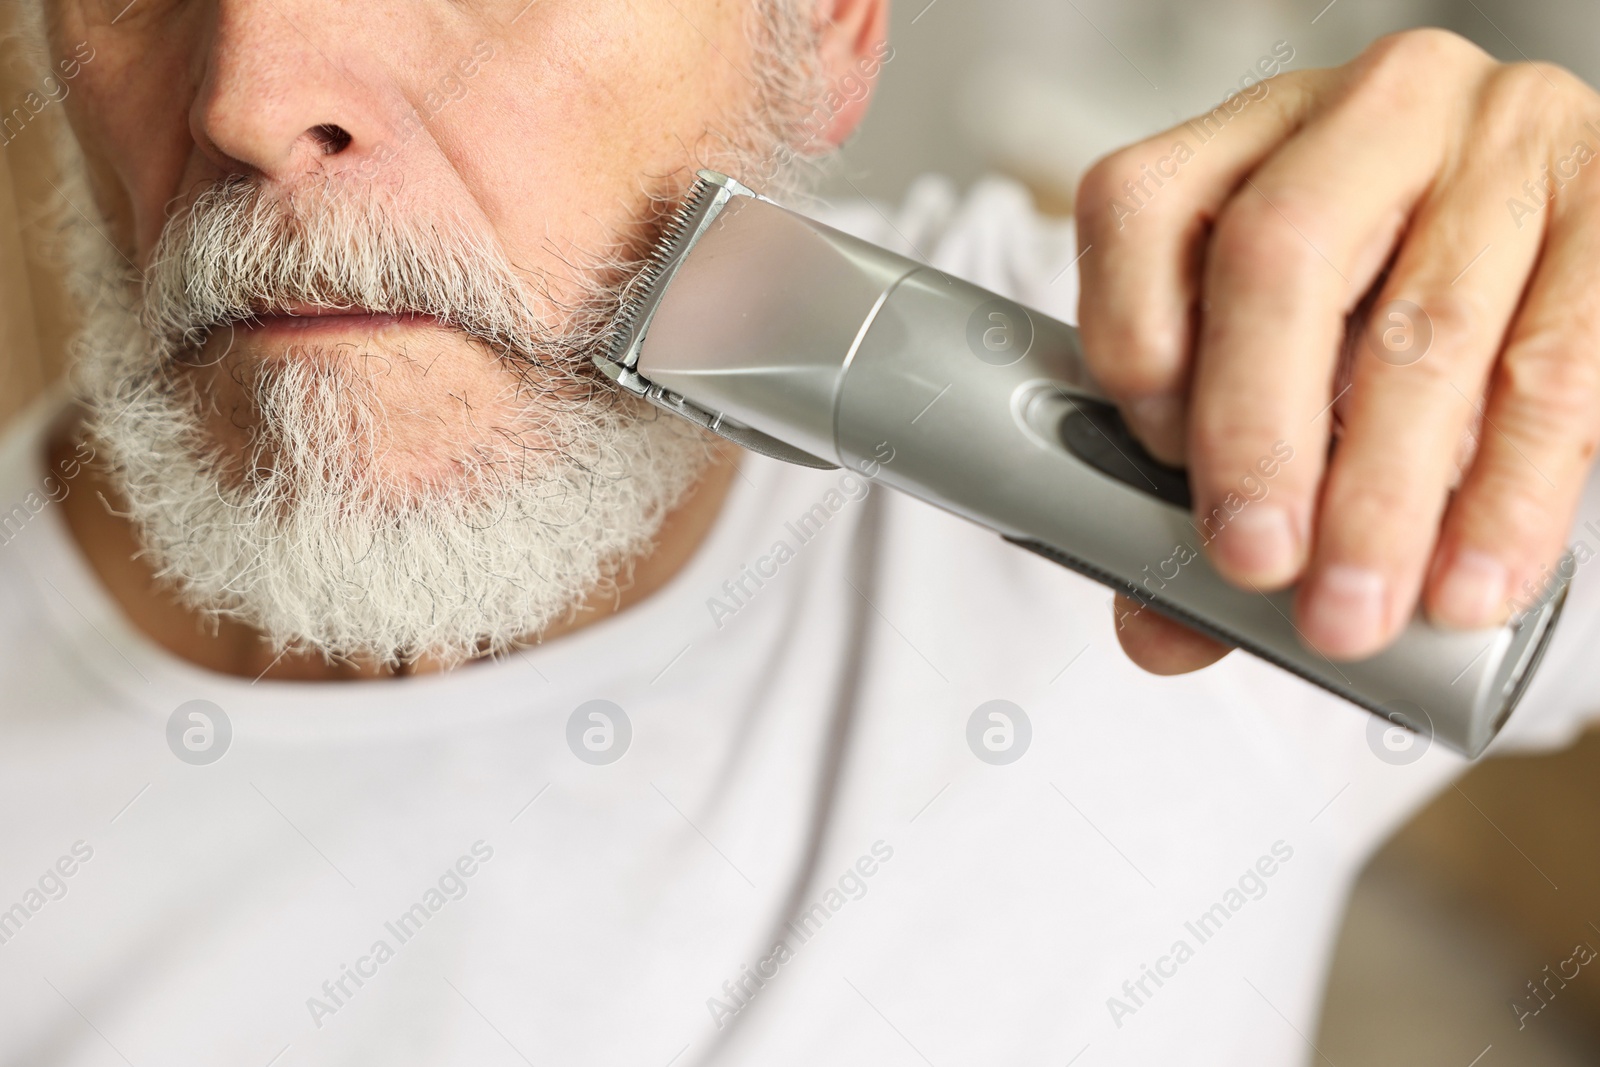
[[302, 310], [305, 310], [307, 313]]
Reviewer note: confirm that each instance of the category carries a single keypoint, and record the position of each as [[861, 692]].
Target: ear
[[853, 39]]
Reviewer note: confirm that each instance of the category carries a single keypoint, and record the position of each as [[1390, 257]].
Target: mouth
[[301, 319]]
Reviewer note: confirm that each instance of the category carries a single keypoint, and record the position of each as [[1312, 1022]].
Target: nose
[[282, 95]]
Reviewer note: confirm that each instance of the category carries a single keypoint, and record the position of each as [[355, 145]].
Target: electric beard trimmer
[[806, 344]]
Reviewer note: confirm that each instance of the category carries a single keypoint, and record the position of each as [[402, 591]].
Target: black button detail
[[1096, 434]]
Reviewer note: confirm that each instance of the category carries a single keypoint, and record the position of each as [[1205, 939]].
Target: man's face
[[375, 246]]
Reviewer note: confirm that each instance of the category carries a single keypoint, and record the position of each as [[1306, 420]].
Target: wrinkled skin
[[1215, 315]]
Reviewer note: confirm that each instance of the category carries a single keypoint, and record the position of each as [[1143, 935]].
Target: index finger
[[1144, 216]]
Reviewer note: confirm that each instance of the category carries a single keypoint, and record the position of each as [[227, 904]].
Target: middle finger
[[1293, 252]]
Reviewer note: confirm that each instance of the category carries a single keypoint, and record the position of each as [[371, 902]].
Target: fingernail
[[1345, 614], [1259, 543], [1473, 591]]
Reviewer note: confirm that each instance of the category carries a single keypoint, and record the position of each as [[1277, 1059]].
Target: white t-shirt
[[798, 859]]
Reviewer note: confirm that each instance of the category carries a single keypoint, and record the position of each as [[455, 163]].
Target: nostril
[[330, 138]]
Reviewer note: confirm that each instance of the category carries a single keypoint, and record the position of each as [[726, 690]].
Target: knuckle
[[1401, 529], [1123, 184], [1511, 502], [1538, 80], [1226, 446], [1522, 89], [1516, 93], [1450, 322], [1415, 55], [1270, 234], [1103, 181], [1136, 358], [1138, 354], [1296, 92], [1389, 501], [1144, 368], [1546, 367], [1403, 70], [1093, 191], [1104, 173], [1551, 389]]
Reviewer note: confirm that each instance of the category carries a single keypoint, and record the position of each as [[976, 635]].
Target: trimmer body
[[807, 344]]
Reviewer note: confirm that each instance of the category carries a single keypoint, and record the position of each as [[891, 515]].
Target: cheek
[[624, 96], [128, 109]]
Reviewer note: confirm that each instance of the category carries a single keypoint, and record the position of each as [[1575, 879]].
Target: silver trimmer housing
[[812, 346]]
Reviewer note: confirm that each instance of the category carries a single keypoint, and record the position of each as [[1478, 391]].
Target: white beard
[[306, 541]]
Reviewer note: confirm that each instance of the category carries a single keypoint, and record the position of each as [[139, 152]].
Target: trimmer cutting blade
[[707, 197]]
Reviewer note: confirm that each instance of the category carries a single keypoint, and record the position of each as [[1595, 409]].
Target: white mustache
[[239, 252]]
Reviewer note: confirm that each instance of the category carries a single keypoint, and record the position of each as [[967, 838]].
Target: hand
[[1458, 195]]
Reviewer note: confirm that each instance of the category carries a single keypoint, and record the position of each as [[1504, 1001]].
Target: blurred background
[[1474, 898], [1041, 88]]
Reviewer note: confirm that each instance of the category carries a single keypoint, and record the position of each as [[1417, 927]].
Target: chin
[[402, 411], [382, 501]]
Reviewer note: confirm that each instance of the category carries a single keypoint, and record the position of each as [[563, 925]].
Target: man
[[381, 688]]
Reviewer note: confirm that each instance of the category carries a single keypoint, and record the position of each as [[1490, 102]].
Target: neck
[[94, 514]]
